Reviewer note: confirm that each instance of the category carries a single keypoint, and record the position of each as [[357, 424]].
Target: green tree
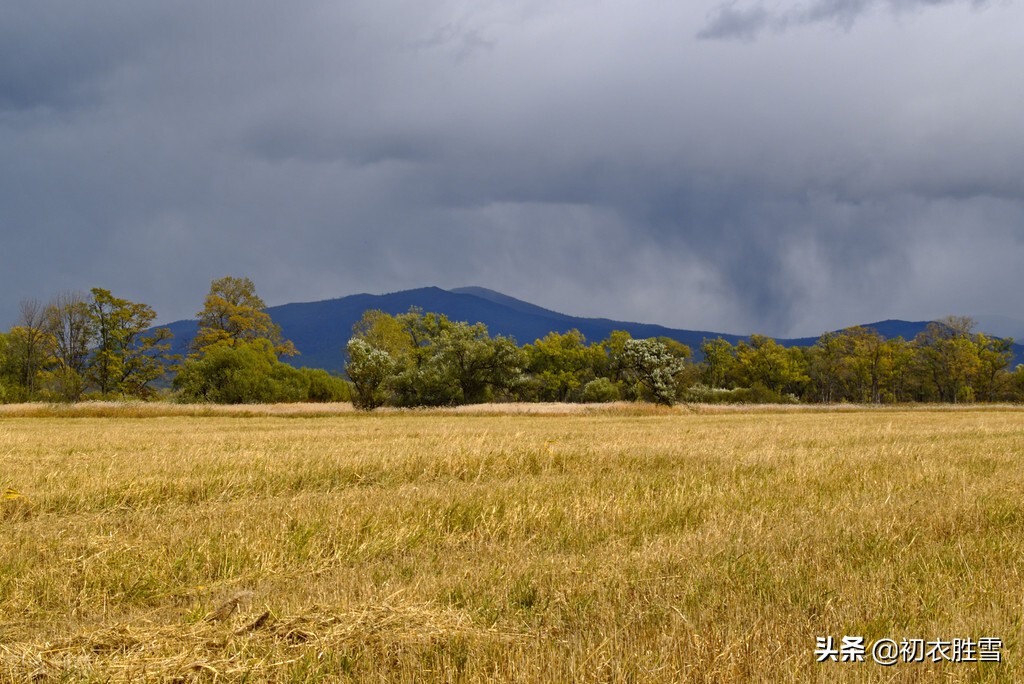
[[479, 363], [324, 386], [424, 359], [385, 332], [992, 377], [1015, 389], [827, 366], [369, 369], [125, 359], [240, 372], [947, 359], [561, 364], [719, 362], [235, 354], [655, 366], [9, 388], [234, 314], [763, 361], [30, 351], [899, 358], [614, 368], [600, 390], [67, 320], [422, 377], [867, 363]]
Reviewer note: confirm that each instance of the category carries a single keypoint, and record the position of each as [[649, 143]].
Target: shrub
[[246, 373], [324, 387], [600, 390], [654, 365], [369, 369], [758, 394]]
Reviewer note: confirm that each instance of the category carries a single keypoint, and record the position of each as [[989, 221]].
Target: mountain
[[321, 329]]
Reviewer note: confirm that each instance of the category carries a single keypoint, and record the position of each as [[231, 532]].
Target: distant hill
[[321, 329]]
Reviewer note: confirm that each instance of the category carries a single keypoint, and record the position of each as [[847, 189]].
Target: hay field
[[620, 544]]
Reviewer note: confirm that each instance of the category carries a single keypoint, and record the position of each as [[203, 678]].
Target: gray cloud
[[593, 158], [730, 20]]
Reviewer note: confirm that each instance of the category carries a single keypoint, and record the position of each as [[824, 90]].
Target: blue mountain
[[320, 330]]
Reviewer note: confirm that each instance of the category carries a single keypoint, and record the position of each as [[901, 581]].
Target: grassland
[[560, 544]]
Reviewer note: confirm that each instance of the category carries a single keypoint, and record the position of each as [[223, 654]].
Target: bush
[[248, 373], [703, 394], [12, 394], [600, 390], [61, 385], [655, 366], [369, 369], [758, 394], [324, 387]]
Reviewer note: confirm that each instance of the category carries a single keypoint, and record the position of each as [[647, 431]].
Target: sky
[[739, 166]]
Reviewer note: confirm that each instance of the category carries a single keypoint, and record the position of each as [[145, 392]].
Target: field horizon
[[135, 408], [522, 542]]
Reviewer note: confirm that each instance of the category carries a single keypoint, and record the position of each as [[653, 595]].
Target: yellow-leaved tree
[[233, 314]]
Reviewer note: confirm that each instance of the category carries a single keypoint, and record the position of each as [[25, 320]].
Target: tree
[[385, 332], [241, 372], [369, 369], [125, 359], [614, 346], [897, 377], [234, 313], [948, 358], [235, 352], [992, 376], [67, 319], [561, 364], [9, 389], [422, 377], [827, 366], [765, 362], [719, 362], [424, 359], [30, 350], [325, 387], [655, 366], [865, 363], [1016, 383], [478, 363], [600, 390]]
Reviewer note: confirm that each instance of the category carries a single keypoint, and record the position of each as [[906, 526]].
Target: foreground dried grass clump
[[297, 647], [609, 544]]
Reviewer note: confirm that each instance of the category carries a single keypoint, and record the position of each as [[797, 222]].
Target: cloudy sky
[[741, 166]]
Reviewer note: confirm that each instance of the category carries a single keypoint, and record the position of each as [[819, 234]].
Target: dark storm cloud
[[593, 158], [731, 20]]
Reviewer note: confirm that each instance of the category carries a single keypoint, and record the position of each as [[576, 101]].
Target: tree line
[[78, 343], [102, 346], [424, 359], [418, 359], [99, 346]]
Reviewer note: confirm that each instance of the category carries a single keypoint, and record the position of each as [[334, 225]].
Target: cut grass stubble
[[613, 544]]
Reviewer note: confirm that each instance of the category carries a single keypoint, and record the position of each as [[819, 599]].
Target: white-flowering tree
[[368, 368], [654, 365]]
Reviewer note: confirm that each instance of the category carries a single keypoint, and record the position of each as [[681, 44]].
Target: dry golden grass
[[623, 543]]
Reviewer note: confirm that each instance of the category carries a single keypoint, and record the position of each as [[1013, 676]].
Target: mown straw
[[215, 646]]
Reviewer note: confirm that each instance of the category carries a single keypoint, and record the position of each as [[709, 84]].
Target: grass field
[[562, 544]]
